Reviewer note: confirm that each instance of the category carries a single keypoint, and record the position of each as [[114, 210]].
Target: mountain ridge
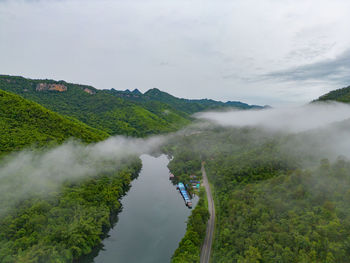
[[341, 95], [190, 106], [95, 108], [113, 111]]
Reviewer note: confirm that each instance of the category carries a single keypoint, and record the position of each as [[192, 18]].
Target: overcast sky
[[257, 51]]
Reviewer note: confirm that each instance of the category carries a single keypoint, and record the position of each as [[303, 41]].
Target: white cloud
[[216, 49], [288, 119], [43, 172]]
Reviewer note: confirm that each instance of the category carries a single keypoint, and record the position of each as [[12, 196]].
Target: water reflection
[[153, 219]]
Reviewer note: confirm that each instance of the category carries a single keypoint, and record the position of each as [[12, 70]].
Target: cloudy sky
[[258, 51]]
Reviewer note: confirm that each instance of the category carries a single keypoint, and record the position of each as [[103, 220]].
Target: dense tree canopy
[[272, 204], [65, 224], [68, 222], [24, 123], [298, 217]]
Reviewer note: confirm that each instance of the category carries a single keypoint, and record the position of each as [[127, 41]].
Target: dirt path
[[206, 248]]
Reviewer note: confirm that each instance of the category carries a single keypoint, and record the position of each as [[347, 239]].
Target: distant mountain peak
[[136, 91], [153, 91], [158, 93]]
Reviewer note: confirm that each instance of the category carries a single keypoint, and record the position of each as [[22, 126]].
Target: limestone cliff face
[[52, 87], [89, 91]]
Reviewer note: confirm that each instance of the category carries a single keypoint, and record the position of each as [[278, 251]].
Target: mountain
[[97, 108], [25, 123], [341, 95], [115, 112], [185, 105]]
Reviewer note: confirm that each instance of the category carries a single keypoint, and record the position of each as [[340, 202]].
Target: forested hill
[[24, 123], [341, 95], [43, 217], [97, 108], [46, 215], [186, 105], [115, 112]]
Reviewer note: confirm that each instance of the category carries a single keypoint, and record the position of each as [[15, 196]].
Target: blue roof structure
[[184, 192]]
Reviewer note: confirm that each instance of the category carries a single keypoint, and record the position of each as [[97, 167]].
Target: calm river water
[[153, 219]]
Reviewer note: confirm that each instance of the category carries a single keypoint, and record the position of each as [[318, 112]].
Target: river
[[153, 219]]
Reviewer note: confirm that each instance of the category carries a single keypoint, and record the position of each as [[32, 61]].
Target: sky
[[274, 52]]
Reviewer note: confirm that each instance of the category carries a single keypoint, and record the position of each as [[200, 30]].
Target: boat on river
[[182, 190]]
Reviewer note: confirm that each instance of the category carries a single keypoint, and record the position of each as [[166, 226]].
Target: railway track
[[206, 248]]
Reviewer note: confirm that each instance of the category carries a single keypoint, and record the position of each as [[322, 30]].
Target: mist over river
[[153, 219]]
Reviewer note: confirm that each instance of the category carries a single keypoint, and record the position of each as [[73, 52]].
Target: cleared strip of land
[[206, 248]]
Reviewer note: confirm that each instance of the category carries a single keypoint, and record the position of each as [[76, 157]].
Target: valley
[[189, 131], [264, 184]]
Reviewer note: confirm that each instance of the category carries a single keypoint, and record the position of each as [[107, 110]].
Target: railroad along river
[[153, 219]]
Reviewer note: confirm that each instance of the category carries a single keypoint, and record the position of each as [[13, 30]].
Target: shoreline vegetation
[[189, 248], [68, 224], [185, 166]]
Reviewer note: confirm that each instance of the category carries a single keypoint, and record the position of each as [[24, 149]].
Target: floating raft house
[[184, 194]]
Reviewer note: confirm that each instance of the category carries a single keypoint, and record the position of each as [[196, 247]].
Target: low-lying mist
[[43, 172], [293, 119], [317, 130]]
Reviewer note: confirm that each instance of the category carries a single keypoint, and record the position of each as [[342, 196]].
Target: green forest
[[67, 223], [27, 124], [302, 216], [277, 199]]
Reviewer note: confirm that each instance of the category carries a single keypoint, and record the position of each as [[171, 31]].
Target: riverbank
[[68, 223], [189, 248], [153, 219]]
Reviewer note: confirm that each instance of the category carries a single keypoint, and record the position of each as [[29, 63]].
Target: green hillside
[[115, 112], [25, 123], [62, 221], [97, 108], [341, 95]]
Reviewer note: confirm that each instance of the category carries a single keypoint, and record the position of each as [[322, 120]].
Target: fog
[[43, 172], [291, 119], [317, 130], [314, 131]]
